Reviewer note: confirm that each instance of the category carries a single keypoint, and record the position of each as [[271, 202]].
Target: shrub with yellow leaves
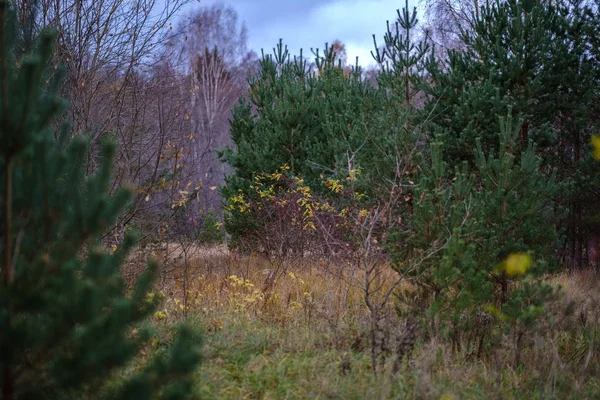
[[279, 212]]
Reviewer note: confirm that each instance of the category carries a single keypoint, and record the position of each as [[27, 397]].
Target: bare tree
[[215, 55], [122, 81], [444, 20], [157, 147], [97, 41]]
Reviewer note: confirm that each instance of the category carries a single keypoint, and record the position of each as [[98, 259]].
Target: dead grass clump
[[582, 290]]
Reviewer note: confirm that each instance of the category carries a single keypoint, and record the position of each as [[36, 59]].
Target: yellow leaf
[[447, 396], [596, 147], [517, 264], [213, 188], [160, 314]]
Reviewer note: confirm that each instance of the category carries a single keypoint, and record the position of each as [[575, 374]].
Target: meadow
[[307, 336]]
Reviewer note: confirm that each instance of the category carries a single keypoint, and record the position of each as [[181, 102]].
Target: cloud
[[361, 51], [354, 22], [311, 23]]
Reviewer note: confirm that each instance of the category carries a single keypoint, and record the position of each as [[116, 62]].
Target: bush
[[212, 229]]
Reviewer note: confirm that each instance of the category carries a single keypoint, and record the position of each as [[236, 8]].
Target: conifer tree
[[66, 321], [329, 123], [538, 61], [313, 121], [478, 217], [398, 128], [501, 67]]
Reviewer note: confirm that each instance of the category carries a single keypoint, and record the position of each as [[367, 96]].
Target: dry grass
[[307, 337], [582, 289], [226, 284]]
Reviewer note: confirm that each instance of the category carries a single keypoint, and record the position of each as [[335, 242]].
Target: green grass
[[259, 361], [320, 350], [249, 359]]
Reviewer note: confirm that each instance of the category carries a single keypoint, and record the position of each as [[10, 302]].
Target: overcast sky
[[311, 23]]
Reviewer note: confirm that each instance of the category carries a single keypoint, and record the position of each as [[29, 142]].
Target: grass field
[[308, 337]]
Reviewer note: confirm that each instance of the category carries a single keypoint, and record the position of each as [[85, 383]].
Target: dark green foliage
[[465, 224], [537, 61], [66, 321], [513, 201], [211, 232], [318, 123], [329, 123], [501, 68]]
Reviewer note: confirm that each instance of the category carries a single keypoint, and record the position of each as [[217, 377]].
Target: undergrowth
[[307, 337]]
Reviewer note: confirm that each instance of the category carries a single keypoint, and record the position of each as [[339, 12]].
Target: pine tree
[[66, 321], [467, 224], [538, 61], [211, 232], [505, 57], [317, 122], [398, 126]]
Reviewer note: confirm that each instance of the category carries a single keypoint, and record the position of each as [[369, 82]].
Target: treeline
[[510, 110]]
